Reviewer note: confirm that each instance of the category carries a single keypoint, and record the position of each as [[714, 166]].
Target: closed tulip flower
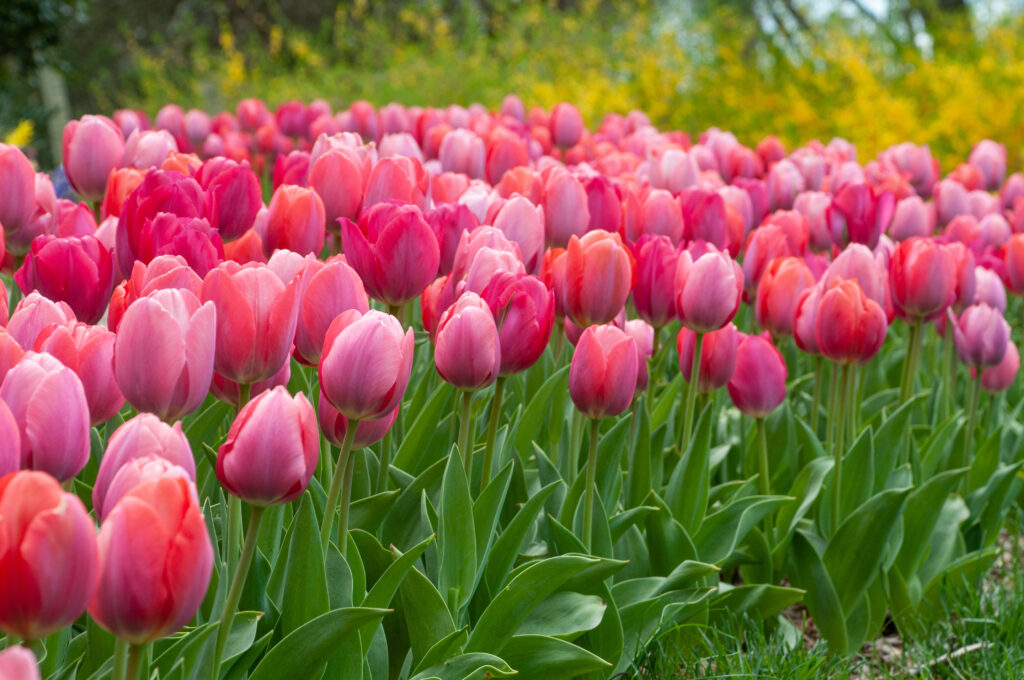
[[603, 372], [765, 243], [295, 221], [89, 352], [91, 148], [48, 556], [192, 238], [674, 170], [989, 289], [981, 335], [642, 334], [136, 472], [339, 177], [143, 436], [566, 212], [331, 289], [271, 450], [18, 195], [598, 278], [468, 351], [145, 149], [256, 318], [566, 125], [162, 272], [778, 292], [18, 663], [990, 158], [505, 152], [814, 206], [365, 365], [236, 193], [397, 178], [849, 327], [661, 214], [603, 204], [868, 269], [368, 432], [1001, 377], [913, 217], [10, 441], [34, 313], [922, 273], [120, 185], [717, 357], [963, 275], [1013, 257], [449, 221], [78, 271], [464, 152], [704, 217], [164, 352], [155, 562], [524, 309], [393, 250], [47, 401], [758, 383], [859, 215], [785, 181], [707, 290], [523, 224], [653, 292]]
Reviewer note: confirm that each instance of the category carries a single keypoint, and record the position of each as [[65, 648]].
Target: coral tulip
[[598, 277], [89, 352], [780, 289], [849, 326]]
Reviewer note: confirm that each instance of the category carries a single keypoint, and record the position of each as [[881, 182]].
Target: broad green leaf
[[687, 493], [667, 540], [476, 666], [662, 406], [564, 615], [821, 598], [539, 409], [487, 511], [858, 473], [426, 616], [805, 489], [240, 668], [889, 438], [924, 506], [367, 513], [456, 537], [624, 520], [387, 585], [397, 528], [538, 657], [723, 530], [445, 648], [410, 454], [505, 549], [762, 600], [298, 583]]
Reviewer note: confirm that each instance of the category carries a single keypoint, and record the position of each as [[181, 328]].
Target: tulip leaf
[[410, 453], [397, 527], [620, 523], [805, 489], [240, 669], [426, 616], [858, 473], [541, 657], [539, 409], [821, 598], [721, 531], [487, 512], [298, 582], [761, 601], [367, 513], [564, 615], [476, 666], [456, 536], [889, 438], [639, 478], [923, 509], [687, 493], [444, 649], [387, 585], [506, 548], [665, 401], [305, 650], [668, 543]]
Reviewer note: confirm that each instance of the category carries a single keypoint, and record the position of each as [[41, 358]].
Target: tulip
[[661, 214], [164, 352], [674, 170], [73, 219], [155, 562], [48, 557], [758, 383], [990, 158], [295, 221], [368, 432], [397, 178], [784, 182], [868, 269], [34, 313], [859, 215], [981, 334], [1012, 189], [642, 334], [18, 663], [256, 319], [393, 250], [1000, 377], [707, 290], [468, 351], [704, 217], [48, 402], [603, 204], [950, 200], [913, 217], [192, 238], [598, 277], [145, 149], [17, 198], [91, 148], [565, 207], [331, 289], [78, 271], [89, 352], [236, 193], [989, 289], [566, 125], [922, 274], [524, 309], [1013, 257], [764, 245], [653, 292], [164, 271], [448, 222], [462, 151], [814, 205], [780, 289], [717, 357], [849, 327], [339, 177]]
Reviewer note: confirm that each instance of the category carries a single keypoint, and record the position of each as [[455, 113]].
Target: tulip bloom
[[464, 152], [295, 221], [981, 335], [764, 245], [18, 663], [368, 432], [990, 159], [468, 351], [525, 312], [89, 352], [603, 372], [120, 185], [717, 357], [33, 314], [18, 193], [913, 217], [660, 213], [598, 278], [449, 221], [1013, 258], [155, 562], [164, 353], [236, 194], [989, 289], [339, 177], [707, 289], [256, 318], [332, 288], [75, 270], [859, 215], [10, 441], [47, 401], [566, 212], [393, 250], [780, 288], [642, 334], [849, 327], [48, 557], [523, 223], [91, 148], [653, 292], [922, 274], [1001, 377], [758, 383], [271, 449], [704, 217], [163, 272], [397, 178]]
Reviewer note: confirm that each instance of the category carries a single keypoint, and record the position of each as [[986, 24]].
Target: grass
[[981, 635]]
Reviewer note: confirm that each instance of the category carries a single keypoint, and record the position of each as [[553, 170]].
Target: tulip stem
[[492, 431], [912, 358], [816, 401], [573, 457], [244, 390], [120, 660], [833, 384], [691, 392], [764, 477], [588, 495], [559, 337], [465, 436], [135, 655], [234, 529], [837, 478], [948, 373], [231, 603], [972, 415], [341, 474]]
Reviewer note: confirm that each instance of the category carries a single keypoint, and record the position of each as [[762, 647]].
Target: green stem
[[764, 477], [244, 390], [135, 655], [852, 426], [346, 502], [833, 398], [972, 415], [838, 449], [385, 462], [120, 660], [948, 371], [588, 504], [691, 392], [559, 339], [340, 472], [816, 401], [574, 447], [911, 361], [237, 583], [492, 432], [231, 540], [465, 436]]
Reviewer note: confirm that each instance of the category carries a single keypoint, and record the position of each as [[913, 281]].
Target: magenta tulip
[[603, 372], [981, 335], [653, 292], [758, 383], [707, 290], [524, 310], [17, 189], [332, 288], [78, 271], [468, 351], [236, 194], [368, 432]]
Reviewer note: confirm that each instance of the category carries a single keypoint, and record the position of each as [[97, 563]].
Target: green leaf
[[487, 511], [687, 493], [503, 554], [858, 473], [539, 409], [298, 582], [805, 489], [762, 600], [387, 585], [821, 598], [444, 649], [456, 537], [565, 615], [924, 506], [303, 651], [639, 478], [367, 513], [426, 616], [723, 530], [410, 454], [539, 657], [467, 667], [663, 404], [397, 528], [889, 437], [620, 523]]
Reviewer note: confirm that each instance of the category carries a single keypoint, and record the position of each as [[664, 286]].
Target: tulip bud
[[566, 125], [981, 334], [295, 221], [523, 223], [805, 316], [78, 271], [642, 334], [48, 558], [89, 352], [91, 147], [566, 212], [34, 313], [857, 262], [18, 663], [653, 294], [989, 289], [661, 214], [922, 275], [156, 560], [758, 382], [859, 215], [913, 217], [990, 158], [603, 372], [1001, 377], [18, 195], [674, 170], [332, 289], [780, 288], [785, 181], [707, 290], [397, 178], [849, 326], [1013, 257], [164, 352], [462, 151], [717, 356], [468, 351], [704, 217], [598, 277], [524, 310], [765, 244], [145, 149], [236, 193], [814, 206]]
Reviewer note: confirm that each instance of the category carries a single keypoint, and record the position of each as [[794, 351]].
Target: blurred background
[[877, 72]]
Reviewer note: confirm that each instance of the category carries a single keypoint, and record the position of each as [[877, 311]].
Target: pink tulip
[[504, 152], [981, 334], [295, 221], [1013, 257], [1012, 189], [704, 217], [566, 125], [393, 250], [922, 273], [859, 215], [236, 193], [964, 275], [331, 289], [18, 195], [271, 450], [34, 313], [145, 149], [468, 351], [717, 357], [91, 148], [674, 170], [18, 663], [765, 244], [642, 334], [565, 207], [814, 206], [138, 471], [155, 562], [48, 557], [524, 310], [339, 177], [917, 162], [73, 219], [805, 316], [989, 289], [368, 432], [10, 441], [396, 178], [1001, 377], [785, 181], [950, 200], [523, 224], [230, 392], [598, 277], [365, 365], [164, 352], [10, 353], [913, 217], [603, 204], [464, 152], [849, 326], [448, 222], [661, 214], [653, 294], [990, 158], [778, 292], [603, 372], [48, 402], [89, 352], [164, 271], [707, 290], [78, 271], [758, 383], [868, 269], [143, 436]]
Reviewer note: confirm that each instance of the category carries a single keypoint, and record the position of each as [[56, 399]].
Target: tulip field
[[408, 393]]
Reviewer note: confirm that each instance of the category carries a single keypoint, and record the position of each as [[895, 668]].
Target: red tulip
[[603, 204], [504, 152], [653, 294], [981, 334], [868, 269], [923, 274], [271, 450], [780, 289], [339, 177], [566, 211], [18, 663], [365, 365], [524, 309], [256, 318], [155, 562], [849, 327], [91, 148], [704, 217], [164, 271], [295, 221], [598, 277], [765, 243], [1001, 377], [805, 317], [707, 290], [603, 372], [89, 352], [78, 271], [48, 558], [18, 195], [717, 356], [236, 193], [467, 352], [163, 353], [758, 382], [331, 289], [34, 313]]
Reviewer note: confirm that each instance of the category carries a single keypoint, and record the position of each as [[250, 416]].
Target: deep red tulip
[[717, 356], [849, 326], [981, 334], [707, 290], [780, 289], [598, 277], [653, 293], [368, 432], [524, 309], [155, 561], [89, 352], [78, 271], [365, 365], [603, 372], [923, 278], [48, 556], [91, 148], [758, 382], [332, 288]]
